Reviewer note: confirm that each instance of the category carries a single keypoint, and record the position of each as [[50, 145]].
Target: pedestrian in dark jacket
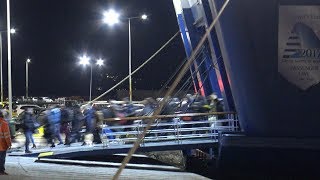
[[76, 123], [90, 121], [66, 119], [29, 128]]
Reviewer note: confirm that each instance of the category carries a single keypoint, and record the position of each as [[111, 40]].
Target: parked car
[[22, 107], [34, 99], [40, 115], [46, 99]]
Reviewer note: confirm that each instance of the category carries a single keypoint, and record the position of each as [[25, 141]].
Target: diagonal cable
[[171, 89]]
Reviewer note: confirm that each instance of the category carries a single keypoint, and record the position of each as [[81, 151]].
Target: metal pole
[[1, 69], [27, 79], [130, 80], [9, 60], [90, 82]]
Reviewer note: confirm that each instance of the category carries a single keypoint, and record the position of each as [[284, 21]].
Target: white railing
[[169, 128]]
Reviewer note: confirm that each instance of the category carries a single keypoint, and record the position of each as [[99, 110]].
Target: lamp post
[[1, 69], [9, 60], [27, 76], [12, 31], [85, 60], [111, 18]]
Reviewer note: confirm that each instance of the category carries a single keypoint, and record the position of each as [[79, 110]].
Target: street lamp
[[28, 61], [99, 62], [9, 60], [12, 31], [111, 18], [84, 61], [144, 17]]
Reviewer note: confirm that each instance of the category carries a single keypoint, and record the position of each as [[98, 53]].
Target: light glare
[[99, 62], [28, 60], [111, 17], [144, 17], [84, 60], [13, 31]]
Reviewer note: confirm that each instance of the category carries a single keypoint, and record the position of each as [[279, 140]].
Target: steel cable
[[169, 92]]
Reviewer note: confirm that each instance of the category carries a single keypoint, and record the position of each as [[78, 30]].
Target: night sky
[[55, 33]]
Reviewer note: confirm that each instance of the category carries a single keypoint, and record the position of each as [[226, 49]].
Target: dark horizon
[[55, 33]]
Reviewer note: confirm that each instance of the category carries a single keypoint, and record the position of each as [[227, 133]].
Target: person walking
[[66, 119], [54, 119], [5, 143], [29, 128], [90, 122], [76, 124]]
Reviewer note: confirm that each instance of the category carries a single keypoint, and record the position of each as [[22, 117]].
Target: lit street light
[[99, 62], [84, 61], [12, 31], [111, 18], [28, 61], [144, 17]]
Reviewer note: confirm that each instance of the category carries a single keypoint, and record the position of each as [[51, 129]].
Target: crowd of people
[[69, 119]]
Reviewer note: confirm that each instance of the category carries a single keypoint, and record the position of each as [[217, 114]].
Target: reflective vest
[[5, 140]]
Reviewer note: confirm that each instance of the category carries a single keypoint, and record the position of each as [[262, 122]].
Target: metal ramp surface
[[98, 149]]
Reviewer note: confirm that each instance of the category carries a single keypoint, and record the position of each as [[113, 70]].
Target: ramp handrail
[[173, 129], [168, 116]]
